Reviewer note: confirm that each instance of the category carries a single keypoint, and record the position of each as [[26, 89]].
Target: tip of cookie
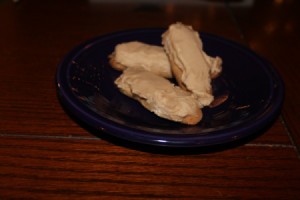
[[193, 119], [114, 64]]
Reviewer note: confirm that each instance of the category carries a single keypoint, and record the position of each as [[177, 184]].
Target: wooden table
[[45, 153]]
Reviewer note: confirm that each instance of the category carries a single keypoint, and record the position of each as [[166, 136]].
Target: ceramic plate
[[252, 92]]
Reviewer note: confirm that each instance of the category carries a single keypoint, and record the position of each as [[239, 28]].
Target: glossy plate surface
[[252, 89]]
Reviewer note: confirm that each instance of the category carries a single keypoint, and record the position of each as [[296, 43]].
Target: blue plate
[[252, 90]]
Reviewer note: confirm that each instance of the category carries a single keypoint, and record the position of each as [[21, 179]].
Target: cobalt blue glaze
[[85, 83]]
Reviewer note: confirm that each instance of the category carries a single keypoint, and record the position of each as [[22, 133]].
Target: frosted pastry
[[190, 64], [137, 54], [159, 95]]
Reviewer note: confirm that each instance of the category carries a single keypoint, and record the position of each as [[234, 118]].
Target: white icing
[[158, 94], [149, 57], [184, 47]]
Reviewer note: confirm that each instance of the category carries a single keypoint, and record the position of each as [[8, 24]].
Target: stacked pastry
[[147, 68]]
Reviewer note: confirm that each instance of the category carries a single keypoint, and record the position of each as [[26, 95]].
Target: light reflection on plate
[[252, 94]]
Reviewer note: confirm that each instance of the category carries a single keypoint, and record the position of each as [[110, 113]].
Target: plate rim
[[140, 136]]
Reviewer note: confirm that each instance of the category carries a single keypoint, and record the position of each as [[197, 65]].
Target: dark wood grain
[[46, 154], [71, 167]]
